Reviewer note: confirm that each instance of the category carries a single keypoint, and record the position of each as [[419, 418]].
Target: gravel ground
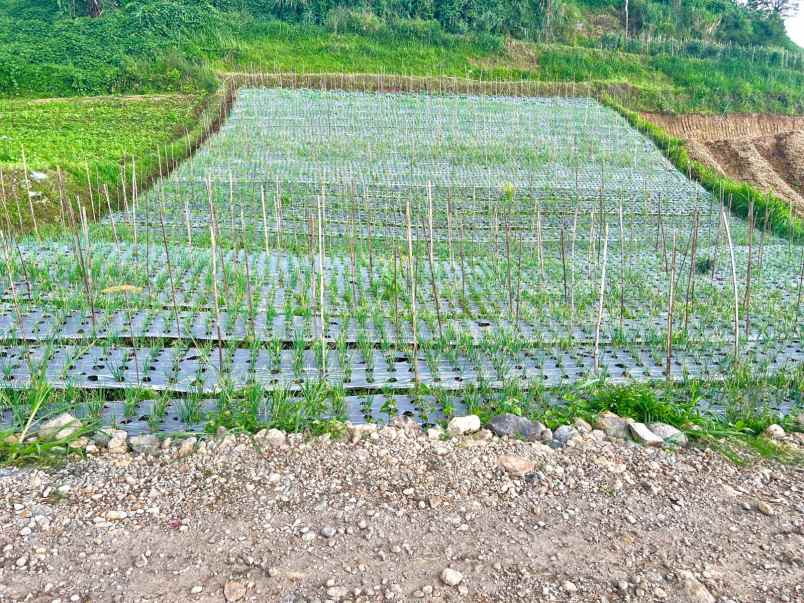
[[400, 516]]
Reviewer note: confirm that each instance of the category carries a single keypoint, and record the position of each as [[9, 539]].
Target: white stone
[[774, 432], [59, 427], [643, 435], [463, 425], [451, 577]]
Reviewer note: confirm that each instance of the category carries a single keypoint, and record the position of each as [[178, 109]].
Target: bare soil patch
[[766, 151], [383, 518]]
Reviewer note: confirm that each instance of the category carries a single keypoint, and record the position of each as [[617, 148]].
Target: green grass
[[642, 82], [96, 134], [68, 132]]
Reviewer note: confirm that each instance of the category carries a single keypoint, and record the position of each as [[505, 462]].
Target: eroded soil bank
[[764, 150]]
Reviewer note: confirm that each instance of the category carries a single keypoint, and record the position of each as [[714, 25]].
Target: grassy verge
[[737, 194], [730, 415], [97, 143]]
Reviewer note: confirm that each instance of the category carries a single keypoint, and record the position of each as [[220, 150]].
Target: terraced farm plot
[[354, 255]]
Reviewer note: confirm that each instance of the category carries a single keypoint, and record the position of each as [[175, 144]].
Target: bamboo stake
[[725, 220], [563, 262], [264, 219], [622, 268], [213, 243], [747, 299], [600, 298], [690, 299], [28, 192], [167, 260], [432, 263], [321, 283], [670, 305], [111, 217], [412, 293]]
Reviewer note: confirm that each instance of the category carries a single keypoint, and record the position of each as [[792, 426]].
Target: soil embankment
[[764, 150]]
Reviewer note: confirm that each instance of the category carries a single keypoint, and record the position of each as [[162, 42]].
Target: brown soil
[[383, 518], [764, 150]]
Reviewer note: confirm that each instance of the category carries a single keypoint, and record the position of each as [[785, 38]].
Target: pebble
[[328, 532], [764, 508], [451, 577], [515, 466], [234, 591]]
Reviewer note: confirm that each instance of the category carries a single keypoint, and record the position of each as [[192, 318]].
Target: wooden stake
[[725, 220], [600, 298], [412, 293], [670, 300]]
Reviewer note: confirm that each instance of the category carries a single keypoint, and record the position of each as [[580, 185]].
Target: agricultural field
[[86, 139], [354, 255]]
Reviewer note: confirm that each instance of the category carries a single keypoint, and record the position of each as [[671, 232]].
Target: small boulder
[[564, 434], [60, 427], [668, 433], [582, 426], [774, 432], [612, 425], [38, 176], [515, 466], [513, 426], [407, 425], [644, 436], [274, 438], [186, 447], [145, 444], [463, 425], [356, 432], [118, 441]]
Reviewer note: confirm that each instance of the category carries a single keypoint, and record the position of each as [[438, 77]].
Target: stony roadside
[[397, 514]]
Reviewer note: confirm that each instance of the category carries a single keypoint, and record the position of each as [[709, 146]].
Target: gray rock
[[38, 176], [669, 434], [513, 426], [59, 427], [644, 436], [564, 434], [328, 532], [612, 425], [463, 425], [582, 426], [145, 444], [546, 435]]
